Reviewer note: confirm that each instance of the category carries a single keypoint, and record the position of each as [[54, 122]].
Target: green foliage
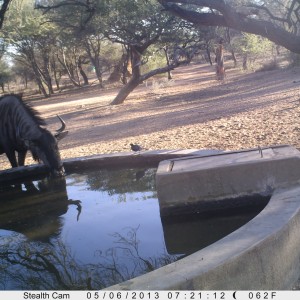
[[28, 32], [155, 58], [23, 22], [134, 21], [77, 16], [53, 42], [251, 44], [5, 73], [110, 52]]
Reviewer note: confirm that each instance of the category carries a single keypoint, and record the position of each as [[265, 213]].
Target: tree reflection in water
[[43, 247], [36, 265], [42, 266]]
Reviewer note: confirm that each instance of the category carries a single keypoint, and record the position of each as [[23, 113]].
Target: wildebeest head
[[45, 149], [22, 129]]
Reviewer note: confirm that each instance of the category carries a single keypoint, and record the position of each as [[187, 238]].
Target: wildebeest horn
[[63, 125]]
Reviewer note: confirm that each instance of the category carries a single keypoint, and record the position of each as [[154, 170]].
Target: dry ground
[[192, 111]]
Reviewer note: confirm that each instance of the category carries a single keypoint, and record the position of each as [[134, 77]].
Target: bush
[[294, 59], [269, 66]]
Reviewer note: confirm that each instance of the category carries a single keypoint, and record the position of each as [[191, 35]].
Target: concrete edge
[[263, 254], [118, 159], [192, 180]]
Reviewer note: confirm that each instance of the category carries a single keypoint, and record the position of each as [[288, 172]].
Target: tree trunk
[[125, 91], [135, 79], [99, 74], [95, 60], [245, 62], [233, 58], [118, 71], [208, 54], [70, 72], [93, 52], [56, 73], [231, 48], [220, 70], [84, 76], [82, 73], [38, 79], [38, 74], [56, 79], [168, 62], [41, 87], [46, 73], [25, 81], [126, 67]]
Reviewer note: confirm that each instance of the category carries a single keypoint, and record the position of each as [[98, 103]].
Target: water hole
[[96, 228]]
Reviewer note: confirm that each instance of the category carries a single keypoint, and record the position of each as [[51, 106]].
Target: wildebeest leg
[[21, 158], [12, 158]]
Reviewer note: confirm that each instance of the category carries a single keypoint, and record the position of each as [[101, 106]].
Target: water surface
[[95, 229]]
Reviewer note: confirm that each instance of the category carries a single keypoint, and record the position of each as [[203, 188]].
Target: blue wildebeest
[[21, 130]]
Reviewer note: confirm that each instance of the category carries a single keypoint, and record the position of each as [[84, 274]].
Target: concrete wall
[[201, 182], [263, 254]]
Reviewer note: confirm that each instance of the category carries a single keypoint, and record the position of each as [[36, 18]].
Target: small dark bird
[[135, 147], [260, 150]]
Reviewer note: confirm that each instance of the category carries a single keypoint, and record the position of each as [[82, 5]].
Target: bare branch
[[290, 11], [264, 8], [89, 9], [64, 3]]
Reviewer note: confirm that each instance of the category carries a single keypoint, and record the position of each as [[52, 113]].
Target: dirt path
[[192, 111]]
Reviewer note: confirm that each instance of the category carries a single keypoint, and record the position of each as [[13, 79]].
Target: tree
[[281, 27], [92, 44], [138, 25], [135, 24], [82, 25], [23, 72], [4, 7], [5, 74], [32, 38], [71, 56], [250, 45]]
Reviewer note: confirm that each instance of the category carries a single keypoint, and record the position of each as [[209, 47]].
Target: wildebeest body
[[20, 131]]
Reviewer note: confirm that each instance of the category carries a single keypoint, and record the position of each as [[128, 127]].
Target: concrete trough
[[261, 255], [225, 180]]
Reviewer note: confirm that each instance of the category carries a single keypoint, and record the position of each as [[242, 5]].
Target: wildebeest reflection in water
[[35, 209]]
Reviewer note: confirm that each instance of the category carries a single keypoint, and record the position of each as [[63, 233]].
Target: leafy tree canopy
[[279, 21]]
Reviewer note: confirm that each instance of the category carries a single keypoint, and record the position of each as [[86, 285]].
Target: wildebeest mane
[[34, 114]]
